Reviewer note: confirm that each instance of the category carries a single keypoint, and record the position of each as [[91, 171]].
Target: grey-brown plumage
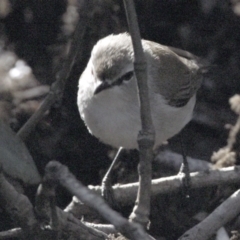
[[108, 100], [179, 72]]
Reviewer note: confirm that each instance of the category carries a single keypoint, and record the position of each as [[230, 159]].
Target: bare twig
[[57, 172], [146, 136], [107, 228], [78, 229], [48, 213], [38, 115], [13, 233], [45, 206], [57, 88], [228, 210], [124, 194], [21, 211]]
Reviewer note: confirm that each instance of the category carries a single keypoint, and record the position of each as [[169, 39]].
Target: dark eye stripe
[[125, 77]]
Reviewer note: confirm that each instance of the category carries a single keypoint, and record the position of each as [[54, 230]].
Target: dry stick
[[106, 228], [27, 128], [13, 233], [57, 88], [228, 210], [47, 212], [124, 194], [45, 207], [146, 136], [74, 228], [58, 172]]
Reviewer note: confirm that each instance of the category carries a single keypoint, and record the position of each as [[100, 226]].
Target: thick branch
[[228, 210], [13, 233], [57, 172]]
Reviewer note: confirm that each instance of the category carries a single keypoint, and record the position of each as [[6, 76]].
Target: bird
[[108, 96]]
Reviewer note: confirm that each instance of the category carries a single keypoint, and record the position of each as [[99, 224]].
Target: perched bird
[[108, 98]]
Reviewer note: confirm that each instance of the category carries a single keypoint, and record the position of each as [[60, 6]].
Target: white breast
[[109, 116], [114, 117]]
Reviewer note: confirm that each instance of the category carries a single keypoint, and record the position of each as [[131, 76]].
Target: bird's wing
[[178, 73]]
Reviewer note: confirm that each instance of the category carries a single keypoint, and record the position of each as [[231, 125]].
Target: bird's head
[[112, 62]]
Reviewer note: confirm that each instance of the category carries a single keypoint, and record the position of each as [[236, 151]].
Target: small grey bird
[[108, 97]]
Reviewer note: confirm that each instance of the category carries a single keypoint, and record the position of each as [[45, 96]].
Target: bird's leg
[[106, 190], [184, 169], [141, 210]]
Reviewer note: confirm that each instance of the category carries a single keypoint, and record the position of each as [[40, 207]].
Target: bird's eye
[[127, 76]]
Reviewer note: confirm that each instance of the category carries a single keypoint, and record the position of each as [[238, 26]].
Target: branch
[[125, 193], [13, 233], [228, 210], [140, 66], [146, 136], [21, 211], [56, 172], [58, 220], [57, 88]]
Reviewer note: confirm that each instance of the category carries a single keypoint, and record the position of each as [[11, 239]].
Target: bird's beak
[[102, 86]]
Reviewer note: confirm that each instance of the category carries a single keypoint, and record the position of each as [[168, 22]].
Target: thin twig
[[51, 216], [57, 172], [45, 206], [146, 136], [140, 69], [57, 88], [125, 193], [12, 233], [106, 228]]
